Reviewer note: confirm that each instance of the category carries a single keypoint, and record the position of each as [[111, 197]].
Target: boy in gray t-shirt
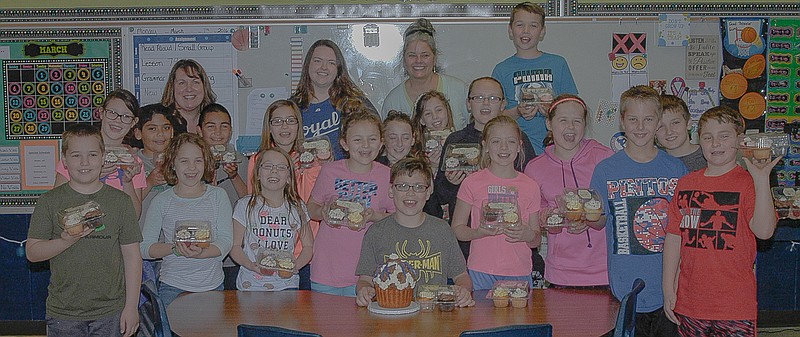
[[426, 242]]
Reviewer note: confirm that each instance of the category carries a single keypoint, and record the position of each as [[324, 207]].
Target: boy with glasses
[[426, 242]]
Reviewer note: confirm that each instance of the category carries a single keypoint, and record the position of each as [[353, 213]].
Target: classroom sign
[[783, 82], [743, 78], [51, 79], [50, 84]]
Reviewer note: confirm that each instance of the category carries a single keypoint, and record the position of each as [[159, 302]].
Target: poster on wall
[[743, 78], [783, 85], [157, 48], [51, 79]]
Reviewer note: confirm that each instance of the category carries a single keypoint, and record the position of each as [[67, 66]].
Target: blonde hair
[[266, 135], [500, 120], [171, 154], [640, 93], [527, 7], [290, 194]]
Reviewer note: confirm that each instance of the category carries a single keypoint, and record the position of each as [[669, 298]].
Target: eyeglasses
[[481, 99], [112, 115], [419, 188], [279, 167], [280, 121]]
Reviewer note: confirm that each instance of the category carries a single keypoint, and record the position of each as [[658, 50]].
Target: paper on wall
[[673, 30], [257, 102]]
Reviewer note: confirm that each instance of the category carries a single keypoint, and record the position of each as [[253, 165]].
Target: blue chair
[[527, 330], [626, 317], [247, 330], [152, 314]]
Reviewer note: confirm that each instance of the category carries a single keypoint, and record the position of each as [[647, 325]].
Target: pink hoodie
[[572, 259]]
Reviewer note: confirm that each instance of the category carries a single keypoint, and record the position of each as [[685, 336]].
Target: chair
[[527, 330], [152, 314], [247, 330], [626, 317]]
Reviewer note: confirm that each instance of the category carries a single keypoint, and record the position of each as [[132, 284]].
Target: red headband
[[566, 99]]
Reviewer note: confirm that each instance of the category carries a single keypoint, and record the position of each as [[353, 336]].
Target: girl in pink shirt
[[118, 114], [577, 256], [503, 251], [357, 179]]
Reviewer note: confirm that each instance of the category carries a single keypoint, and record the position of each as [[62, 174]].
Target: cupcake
[[425, 299], [73, 223], [762, 153], [554, 223], [592, 209], [519, 298], [447, 300], [229, 157], [285, 267], [268, 265], [574, 207], [394, 283], [500, 297], [202, 236]]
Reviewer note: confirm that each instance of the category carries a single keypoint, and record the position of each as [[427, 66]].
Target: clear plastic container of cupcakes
[[462, 157], [582, 205], [87, 215], [787, 202], [499, 214], [435, 139], [347, 212], [553, 220], [505, 292], [119, 156], [431, 295], [765, 145], [223, 156], [316, 151], [274, 262], [198, 232]]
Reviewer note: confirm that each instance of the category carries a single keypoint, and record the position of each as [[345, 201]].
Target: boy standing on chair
[[637, 184], [716, 215], [95, 273]]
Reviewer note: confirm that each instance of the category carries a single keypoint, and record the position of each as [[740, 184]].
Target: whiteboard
[[467, 50]]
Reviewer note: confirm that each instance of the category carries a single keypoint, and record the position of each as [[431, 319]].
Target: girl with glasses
[[272, 219], [282, 129], [122, 170], [484, 101]]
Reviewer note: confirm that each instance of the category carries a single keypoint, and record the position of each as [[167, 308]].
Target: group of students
[[704, 237]]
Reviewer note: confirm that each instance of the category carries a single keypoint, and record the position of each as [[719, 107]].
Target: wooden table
[[217, 313]]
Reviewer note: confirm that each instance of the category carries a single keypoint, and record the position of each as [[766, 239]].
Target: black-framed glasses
[[112, 115], [277, 167], [419, 188], [481, 99], [277, 121]]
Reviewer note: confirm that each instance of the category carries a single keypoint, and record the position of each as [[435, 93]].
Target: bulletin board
[[249, 74], [51, 79]]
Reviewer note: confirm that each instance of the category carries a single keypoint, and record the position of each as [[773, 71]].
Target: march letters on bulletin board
[[51, 80]]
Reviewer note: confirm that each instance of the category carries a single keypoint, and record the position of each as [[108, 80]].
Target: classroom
[[426, 82]]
